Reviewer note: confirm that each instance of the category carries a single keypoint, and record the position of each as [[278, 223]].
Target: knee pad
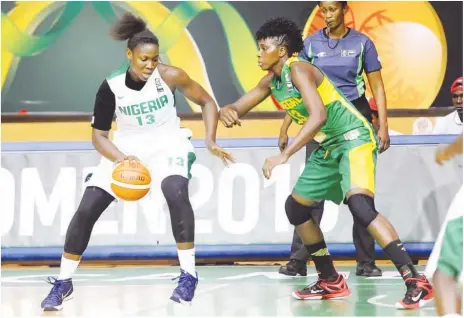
[[175, 190], [362, 208], [297, 213]]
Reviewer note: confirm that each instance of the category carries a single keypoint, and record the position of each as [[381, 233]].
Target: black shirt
[[105, 103]]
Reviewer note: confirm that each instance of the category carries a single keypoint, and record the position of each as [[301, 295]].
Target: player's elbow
[[320, 117]]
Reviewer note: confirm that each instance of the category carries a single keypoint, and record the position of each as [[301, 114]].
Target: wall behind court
[[420, 45], [233, 206]]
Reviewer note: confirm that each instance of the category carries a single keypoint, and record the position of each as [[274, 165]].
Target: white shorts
[[455, 210], [172, 155]]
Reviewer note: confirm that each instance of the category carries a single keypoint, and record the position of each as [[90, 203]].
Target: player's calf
[[330, 283], [175, 190], [419, 289]]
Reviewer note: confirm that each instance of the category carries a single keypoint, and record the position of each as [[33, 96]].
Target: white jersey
[[150, 110], [148, 128]]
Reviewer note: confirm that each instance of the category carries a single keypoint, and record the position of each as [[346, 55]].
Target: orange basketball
[[131, 181]]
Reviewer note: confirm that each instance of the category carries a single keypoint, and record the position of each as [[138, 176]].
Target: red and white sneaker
[[419, 292], [323, 289]]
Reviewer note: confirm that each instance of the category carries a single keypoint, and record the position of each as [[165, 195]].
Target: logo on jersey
[[346, 53], [145, 107], [289, 82], [159, 86]]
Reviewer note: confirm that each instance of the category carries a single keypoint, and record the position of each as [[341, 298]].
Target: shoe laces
[[411, 285], [54, 294], [316, 284], [186, 281]]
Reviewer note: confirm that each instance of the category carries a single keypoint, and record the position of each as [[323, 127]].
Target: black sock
[[323, 261], [398, 255]]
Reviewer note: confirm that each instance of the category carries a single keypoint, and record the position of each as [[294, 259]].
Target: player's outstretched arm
[[283, 136], [305, 82], [197, 94], [450, 151], [230, 114]]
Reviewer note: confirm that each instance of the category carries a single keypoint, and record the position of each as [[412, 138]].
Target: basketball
[[131, 181]]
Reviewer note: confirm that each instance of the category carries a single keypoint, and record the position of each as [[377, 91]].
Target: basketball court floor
[[222, 291]]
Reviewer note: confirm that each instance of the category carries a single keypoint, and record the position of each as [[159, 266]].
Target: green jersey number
[[146, 120], [179, 161]]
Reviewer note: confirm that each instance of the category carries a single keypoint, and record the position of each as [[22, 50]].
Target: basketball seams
[[131, 186], [130, 183]]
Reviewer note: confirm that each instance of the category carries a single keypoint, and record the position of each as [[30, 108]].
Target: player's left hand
[[219, 152], [384, 138], [271, 162], [443, 154]]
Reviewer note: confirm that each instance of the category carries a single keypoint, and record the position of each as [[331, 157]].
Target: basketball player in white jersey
[[446, 261], [141, 94]]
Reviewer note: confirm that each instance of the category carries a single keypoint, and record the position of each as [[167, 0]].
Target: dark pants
[[363, 241]]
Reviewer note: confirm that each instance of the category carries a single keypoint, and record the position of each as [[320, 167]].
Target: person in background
[[451, 124], [343, 54]]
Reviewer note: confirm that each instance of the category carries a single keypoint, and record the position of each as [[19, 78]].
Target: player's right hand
[[219, 152], [132, 160], [228, 115], [283, 141]]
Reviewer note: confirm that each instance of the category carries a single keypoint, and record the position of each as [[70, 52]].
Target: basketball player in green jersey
[[342, 169]]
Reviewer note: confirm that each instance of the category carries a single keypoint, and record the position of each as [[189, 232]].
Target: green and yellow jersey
[[344, 121]]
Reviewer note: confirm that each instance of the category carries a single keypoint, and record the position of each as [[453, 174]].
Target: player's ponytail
[[134, 29]]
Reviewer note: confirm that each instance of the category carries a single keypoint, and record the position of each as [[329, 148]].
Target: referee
[[343, 54]]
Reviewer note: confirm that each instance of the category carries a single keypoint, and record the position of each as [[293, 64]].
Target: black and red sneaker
[[419, 292], [323, 289]]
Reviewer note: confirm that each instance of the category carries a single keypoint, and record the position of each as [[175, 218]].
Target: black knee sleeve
[[297, 213], [93, 203], [175, 190], [362, 208]]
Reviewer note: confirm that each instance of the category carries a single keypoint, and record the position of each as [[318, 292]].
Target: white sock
[[187, 261], [67, 268]]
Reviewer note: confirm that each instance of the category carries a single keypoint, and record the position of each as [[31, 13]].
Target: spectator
[[451, 124]]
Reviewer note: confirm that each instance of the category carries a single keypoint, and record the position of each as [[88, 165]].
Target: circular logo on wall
[[411, 44]]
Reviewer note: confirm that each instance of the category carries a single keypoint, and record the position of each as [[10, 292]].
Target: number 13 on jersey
[[146, 119]]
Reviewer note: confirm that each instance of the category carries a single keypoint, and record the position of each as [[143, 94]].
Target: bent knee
[[174, 187], [297, 212], [362, 208]]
